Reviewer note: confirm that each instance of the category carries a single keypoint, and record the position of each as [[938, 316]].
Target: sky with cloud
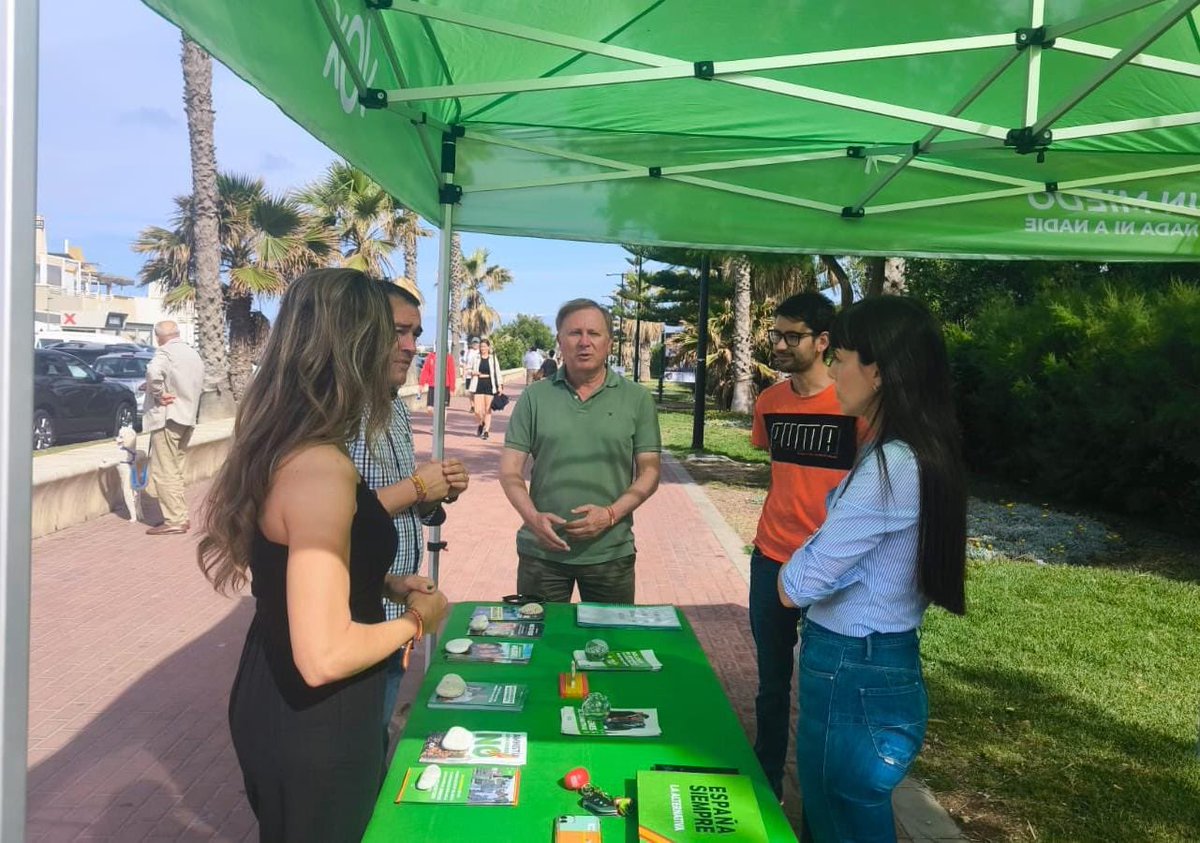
[[113, 152]]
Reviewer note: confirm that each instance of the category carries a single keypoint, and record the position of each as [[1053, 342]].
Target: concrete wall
[[71, 487]]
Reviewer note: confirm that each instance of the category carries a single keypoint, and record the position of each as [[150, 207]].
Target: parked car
[[89, 352], [72, 400], [127, 368]]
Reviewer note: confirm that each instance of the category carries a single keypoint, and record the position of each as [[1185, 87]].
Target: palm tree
[[369, 224], [479, 317], [410, 230], [738, 271], [265, 241], [719, 361], [201, 263]]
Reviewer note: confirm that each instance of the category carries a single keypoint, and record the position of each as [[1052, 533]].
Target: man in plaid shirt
[[412, 495]]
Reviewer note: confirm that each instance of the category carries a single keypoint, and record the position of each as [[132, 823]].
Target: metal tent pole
[[449, 196], [18, 168], [701, 355]]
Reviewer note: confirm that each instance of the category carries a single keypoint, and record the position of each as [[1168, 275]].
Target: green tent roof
[[1022, 128]]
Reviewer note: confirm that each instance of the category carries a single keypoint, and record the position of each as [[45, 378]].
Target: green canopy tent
[[1013, 128], [1021, 128]]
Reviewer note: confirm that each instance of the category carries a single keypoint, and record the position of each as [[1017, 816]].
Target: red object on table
[[577, 778]]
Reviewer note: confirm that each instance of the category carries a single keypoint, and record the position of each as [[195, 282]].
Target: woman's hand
[[432, 606]]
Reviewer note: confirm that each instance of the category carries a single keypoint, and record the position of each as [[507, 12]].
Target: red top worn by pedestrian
[[429, 370]]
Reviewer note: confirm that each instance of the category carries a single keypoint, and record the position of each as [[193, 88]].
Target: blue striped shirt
[[857, 574], [386, 462]]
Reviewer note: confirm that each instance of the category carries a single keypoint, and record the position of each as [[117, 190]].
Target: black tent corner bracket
[[849, 213], [1024, 141], [373, 98], [703, 69], [1035, 36], [450, 194]]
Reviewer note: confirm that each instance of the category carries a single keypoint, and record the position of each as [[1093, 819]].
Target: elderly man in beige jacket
[[174, 379]]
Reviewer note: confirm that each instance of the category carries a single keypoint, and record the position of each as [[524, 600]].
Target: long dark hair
[[324, 370], [915, 406]]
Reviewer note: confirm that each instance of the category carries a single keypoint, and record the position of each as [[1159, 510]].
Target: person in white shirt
[[533, 364], [533, 360], [174, 379]]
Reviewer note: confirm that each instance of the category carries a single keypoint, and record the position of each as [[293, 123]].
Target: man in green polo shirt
[[594, 440]]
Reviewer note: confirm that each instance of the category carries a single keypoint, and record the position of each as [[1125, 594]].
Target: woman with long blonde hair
[[289, 512]]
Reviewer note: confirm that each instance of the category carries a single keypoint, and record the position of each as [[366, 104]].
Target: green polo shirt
[[583, 452]]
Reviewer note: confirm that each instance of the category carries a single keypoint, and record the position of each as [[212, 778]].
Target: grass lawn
[[1064, 706]]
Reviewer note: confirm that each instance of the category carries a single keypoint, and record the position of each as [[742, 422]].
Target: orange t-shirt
[[812, 447]]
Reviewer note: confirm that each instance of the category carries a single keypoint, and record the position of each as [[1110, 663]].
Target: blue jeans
[[773, 626], [863, 711], [394, 672]]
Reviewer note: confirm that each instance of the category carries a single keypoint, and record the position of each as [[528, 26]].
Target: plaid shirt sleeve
[[385, 462]]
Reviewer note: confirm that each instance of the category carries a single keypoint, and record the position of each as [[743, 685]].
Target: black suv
[[70, 399]]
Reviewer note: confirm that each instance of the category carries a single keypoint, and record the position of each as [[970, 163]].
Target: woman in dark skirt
[[289, 507]]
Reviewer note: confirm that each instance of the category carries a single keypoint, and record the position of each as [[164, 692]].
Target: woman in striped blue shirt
[[893, 542]]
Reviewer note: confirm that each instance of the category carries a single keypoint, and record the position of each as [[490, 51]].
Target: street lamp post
[[620, 330], [637, 330]]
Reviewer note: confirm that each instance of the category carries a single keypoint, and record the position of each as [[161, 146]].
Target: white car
[[127, 368]]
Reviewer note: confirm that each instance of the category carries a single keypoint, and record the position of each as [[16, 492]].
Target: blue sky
[[113, 151]]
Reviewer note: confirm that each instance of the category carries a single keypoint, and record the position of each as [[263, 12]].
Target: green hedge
[[1091, 394]]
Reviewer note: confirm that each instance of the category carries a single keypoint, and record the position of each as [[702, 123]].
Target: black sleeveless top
[[372, 549]]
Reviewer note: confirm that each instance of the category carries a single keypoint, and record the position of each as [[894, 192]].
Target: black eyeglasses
[[792, 338]]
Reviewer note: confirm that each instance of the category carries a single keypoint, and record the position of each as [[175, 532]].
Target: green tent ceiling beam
[[1021, 128]]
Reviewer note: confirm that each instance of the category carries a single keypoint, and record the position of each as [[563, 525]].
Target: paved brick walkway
[[133, 654]]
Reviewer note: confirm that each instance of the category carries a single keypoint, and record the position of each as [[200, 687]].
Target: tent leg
[[18, 168], [701, 357], [442, 346]]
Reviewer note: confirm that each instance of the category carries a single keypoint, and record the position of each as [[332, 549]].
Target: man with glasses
[[812, 447]]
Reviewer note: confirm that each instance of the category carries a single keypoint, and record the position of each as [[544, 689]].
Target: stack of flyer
[[486, 748], [485, 696], [504, 652], [627, 617], [622, 722], [618, 660], [463, 786]]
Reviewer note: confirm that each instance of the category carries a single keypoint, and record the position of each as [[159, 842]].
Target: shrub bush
[[1090, 394]]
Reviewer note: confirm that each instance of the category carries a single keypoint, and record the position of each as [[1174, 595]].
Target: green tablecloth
[[699, 728]]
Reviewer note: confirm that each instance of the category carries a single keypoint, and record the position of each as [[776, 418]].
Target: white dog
[[133, 470]]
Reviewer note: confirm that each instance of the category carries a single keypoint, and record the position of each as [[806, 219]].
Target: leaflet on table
[[485, 696], [486, 748], [464, 786], [503, 613], [626, 616], [619, 722], [504, 652], [512, 629], [619, 660], [697, 806]]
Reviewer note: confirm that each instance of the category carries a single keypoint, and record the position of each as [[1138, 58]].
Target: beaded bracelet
[[419, 485], [412, 642]]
